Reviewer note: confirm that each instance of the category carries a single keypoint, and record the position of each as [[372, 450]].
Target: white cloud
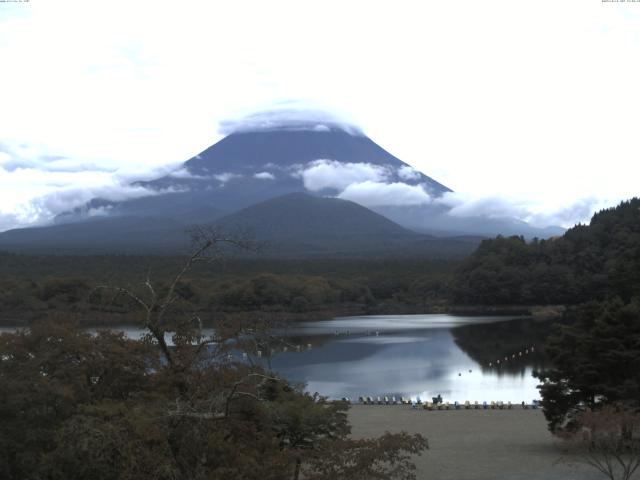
[[225, 177], [363, 183], [322, 174], [99, 211], [464, 205], [33, 197], [567, 215], [407, 172], [264, 176], [288, 115], [35, 187], [515, 117], [374, 194], [186, 174], [564, 214]]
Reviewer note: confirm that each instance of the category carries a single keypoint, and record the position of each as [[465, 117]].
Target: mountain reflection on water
[[415, 356]]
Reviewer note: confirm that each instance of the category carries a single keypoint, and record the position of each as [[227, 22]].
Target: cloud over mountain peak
[[289, 117]]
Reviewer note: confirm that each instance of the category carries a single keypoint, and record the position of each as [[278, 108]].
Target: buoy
[[489, 363], [469, 370], [498, 362], [459, 374]]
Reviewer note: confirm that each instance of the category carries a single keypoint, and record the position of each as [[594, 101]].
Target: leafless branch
[[207, 242], [239, 383]]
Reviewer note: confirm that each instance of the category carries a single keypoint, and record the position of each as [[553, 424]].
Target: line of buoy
[[513, 356], [272, 351]]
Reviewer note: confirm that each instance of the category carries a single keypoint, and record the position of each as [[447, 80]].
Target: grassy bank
[[476, 444]]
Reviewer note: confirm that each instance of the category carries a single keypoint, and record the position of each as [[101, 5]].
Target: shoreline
[[536, 312]]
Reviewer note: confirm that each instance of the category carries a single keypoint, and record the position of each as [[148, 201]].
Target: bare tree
[[609, 441], [162, 312]]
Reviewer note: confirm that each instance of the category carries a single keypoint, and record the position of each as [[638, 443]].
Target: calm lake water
[[411, 356], [414, 356]]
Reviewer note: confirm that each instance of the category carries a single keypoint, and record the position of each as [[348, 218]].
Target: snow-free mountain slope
[[250, 176], [293, 225]]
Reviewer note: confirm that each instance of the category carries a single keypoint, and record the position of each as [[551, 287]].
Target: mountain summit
[[248, 167]]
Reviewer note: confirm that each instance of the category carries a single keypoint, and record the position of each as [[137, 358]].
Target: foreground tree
[[176, 405], [48, 375], [596, 362], [609, 441]]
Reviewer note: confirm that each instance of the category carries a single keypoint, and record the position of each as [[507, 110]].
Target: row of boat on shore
[[438, 404]]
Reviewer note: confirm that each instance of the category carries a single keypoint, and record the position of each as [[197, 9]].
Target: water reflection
[[506, 346], [415, 356], [408, 355]]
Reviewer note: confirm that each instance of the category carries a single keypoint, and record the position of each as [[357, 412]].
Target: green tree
[[596, 362], [589, 262]]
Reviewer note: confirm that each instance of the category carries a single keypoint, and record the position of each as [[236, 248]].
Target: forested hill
[[589, 262]]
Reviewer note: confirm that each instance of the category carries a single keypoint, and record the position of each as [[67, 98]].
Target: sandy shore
[[476, 444]]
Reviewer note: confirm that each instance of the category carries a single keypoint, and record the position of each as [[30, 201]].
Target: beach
[[476, 444]]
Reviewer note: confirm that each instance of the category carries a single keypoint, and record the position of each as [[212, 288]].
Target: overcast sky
[[523, 107]]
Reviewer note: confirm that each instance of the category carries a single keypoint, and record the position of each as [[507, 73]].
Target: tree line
[[589, 262], [37, 287]]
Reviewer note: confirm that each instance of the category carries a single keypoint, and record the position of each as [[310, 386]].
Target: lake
[[415, 356], [411, 356]]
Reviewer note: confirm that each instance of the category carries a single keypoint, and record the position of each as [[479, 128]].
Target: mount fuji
[[304, 187]]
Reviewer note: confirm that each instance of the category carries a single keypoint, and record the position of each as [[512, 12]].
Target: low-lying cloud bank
[[375, 186], [51, 193], [36, 187], [536, 214], [377, 194], [330, 174], [364, 183]]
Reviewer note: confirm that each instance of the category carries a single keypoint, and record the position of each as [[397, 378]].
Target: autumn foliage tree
[[178, 404]]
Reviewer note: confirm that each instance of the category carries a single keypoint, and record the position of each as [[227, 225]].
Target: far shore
[[128, 319], [476, 444]]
